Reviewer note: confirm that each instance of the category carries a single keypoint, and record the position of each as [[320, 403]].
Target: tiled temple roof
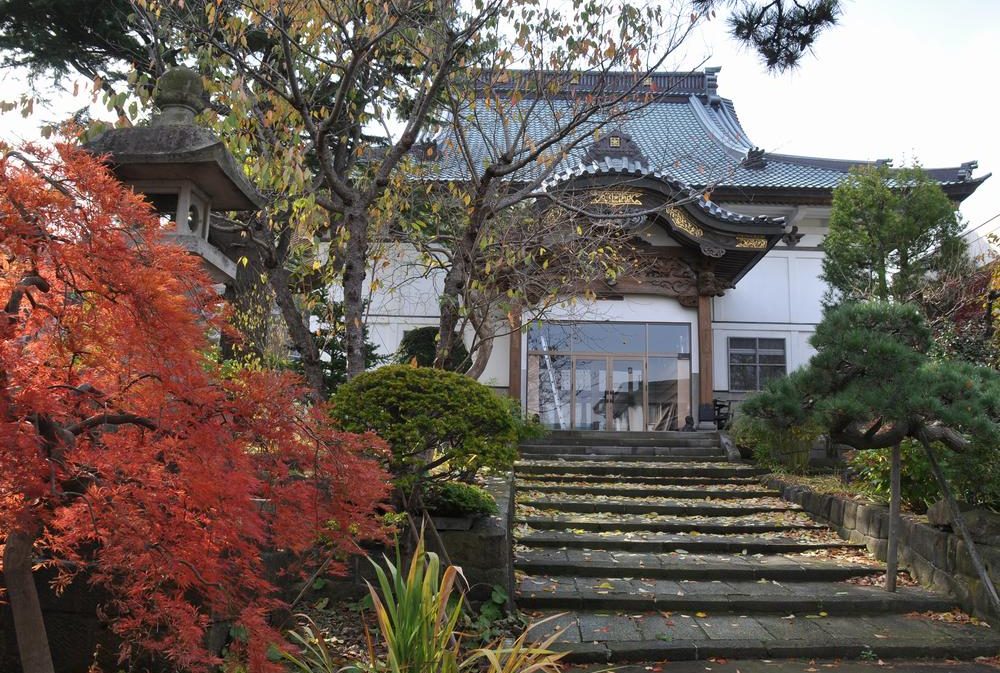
[[685, 131]]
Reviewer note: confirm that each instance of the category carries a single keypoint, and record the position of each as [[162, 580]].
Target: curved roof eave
[[625, 167]]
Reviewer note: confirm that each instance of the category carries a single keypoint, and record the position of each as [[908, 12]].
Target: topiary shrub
[[420, 344], [453, 498], [438, 424]]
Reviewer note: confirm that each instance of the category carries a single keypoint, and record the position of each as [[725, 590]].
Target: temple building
[[730, 297]]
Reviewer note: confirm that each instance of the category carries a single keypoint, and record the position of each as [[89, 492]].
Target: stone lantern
[[184, 170]]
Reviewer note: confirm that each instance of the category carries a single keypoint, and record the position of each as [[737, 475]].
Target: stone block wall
[[936, 558], [485, 551]]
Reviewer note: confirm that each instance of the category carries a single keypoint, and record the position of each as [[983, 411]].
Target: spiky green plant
[[418, 612], [315, 655]]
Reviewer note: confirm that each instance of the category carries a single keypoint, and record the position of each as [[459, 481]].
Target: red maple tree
[[126, 454]]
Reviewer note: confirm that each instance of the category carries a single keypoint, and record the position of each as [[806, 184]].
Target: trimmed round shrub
[[454, 498], [435, 421], [420, 344]]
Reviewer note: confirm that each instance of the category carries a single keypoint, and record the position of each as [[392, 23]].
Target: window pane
[[768, 373], [772, 344], [669, 339], [596, 337], [591, 395], [550, 336], [742, 377], [742, 343], [766, 359], [549, 395], [742, 358]]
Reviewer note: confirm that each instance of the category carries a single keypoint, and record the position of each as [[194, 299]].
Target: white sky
[[896, 78]]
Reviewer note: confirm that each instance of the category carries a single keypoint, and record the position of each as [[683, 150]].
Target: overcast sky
[[896, 79]]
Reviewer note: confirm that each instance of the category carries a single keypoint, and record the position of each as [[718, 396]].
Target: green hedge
[[433, 420], [452, 498]]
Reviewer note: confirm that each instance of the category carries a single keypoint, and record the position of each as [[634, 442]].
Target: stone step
[[658, 543], [659, 469], [657, 459], [536, 592], [817, 566], [638, 479], [708, 448], [716, 491], [673, 524], [594, 637], [686, 507], [598, 438], [832, 664]]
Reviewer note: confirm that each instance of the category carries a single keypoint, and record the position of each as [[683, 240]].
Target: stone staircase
[[652, 546]]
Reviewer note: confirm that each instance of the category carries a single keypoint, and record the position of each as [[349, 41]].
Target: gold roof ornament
[[684, 222], [617, 197], [752, 242]]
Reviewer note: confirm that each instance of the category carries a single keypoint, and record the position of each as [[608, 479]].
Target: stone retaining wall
[[485, 551], [936, 558]]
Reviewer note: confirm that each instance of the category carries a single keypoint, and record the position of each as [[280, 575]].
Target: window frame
[[757, 365]]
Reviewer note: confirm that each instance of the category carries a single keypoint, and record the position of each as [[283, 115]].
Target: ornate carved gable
[[614, 145]]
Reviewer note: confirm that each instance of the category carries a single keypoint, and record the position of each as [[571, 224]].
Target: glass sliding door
[[627, 395], [550, 379], [609, 376], [590, 392], [669, 392]]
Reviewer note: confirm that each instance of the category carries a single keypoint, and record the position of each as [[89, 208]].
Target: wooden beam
[[705, 385], [514, 365]]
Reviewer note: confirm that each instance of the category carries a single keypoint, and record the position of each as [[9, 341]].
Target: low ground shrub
[[775, 448], [438, 424], [974, 476], [453, 498]]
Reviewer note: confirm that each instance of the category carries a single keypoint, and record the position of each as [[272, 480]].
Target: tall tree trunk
[[481, 358], [892, 553], [298, 330], [452, 293], [355, 256], [450, 307], [32, 641]]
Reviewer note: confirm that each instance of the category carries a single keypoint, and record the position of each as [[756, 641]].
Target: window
[[754, 361]]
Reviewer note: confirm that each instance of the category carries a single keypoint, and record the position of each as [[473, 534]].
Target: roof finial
[[180, 96], [712, 83]]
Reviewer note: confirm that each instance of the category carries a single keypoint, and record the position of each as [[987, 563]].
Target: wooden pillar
[[514, 371], [705, 385]]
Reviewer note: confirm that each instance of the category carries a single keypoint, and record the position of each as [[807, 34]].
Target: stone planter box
[[453, 522], [937, 559]]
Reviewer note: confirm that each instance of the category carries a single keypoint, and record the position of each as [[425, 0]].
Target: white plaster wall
[[784, 287], [781, 297], [404, 285]]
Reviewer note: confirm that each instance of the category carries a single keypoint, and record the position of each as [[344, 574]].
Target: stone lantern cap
[[173, 148]]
